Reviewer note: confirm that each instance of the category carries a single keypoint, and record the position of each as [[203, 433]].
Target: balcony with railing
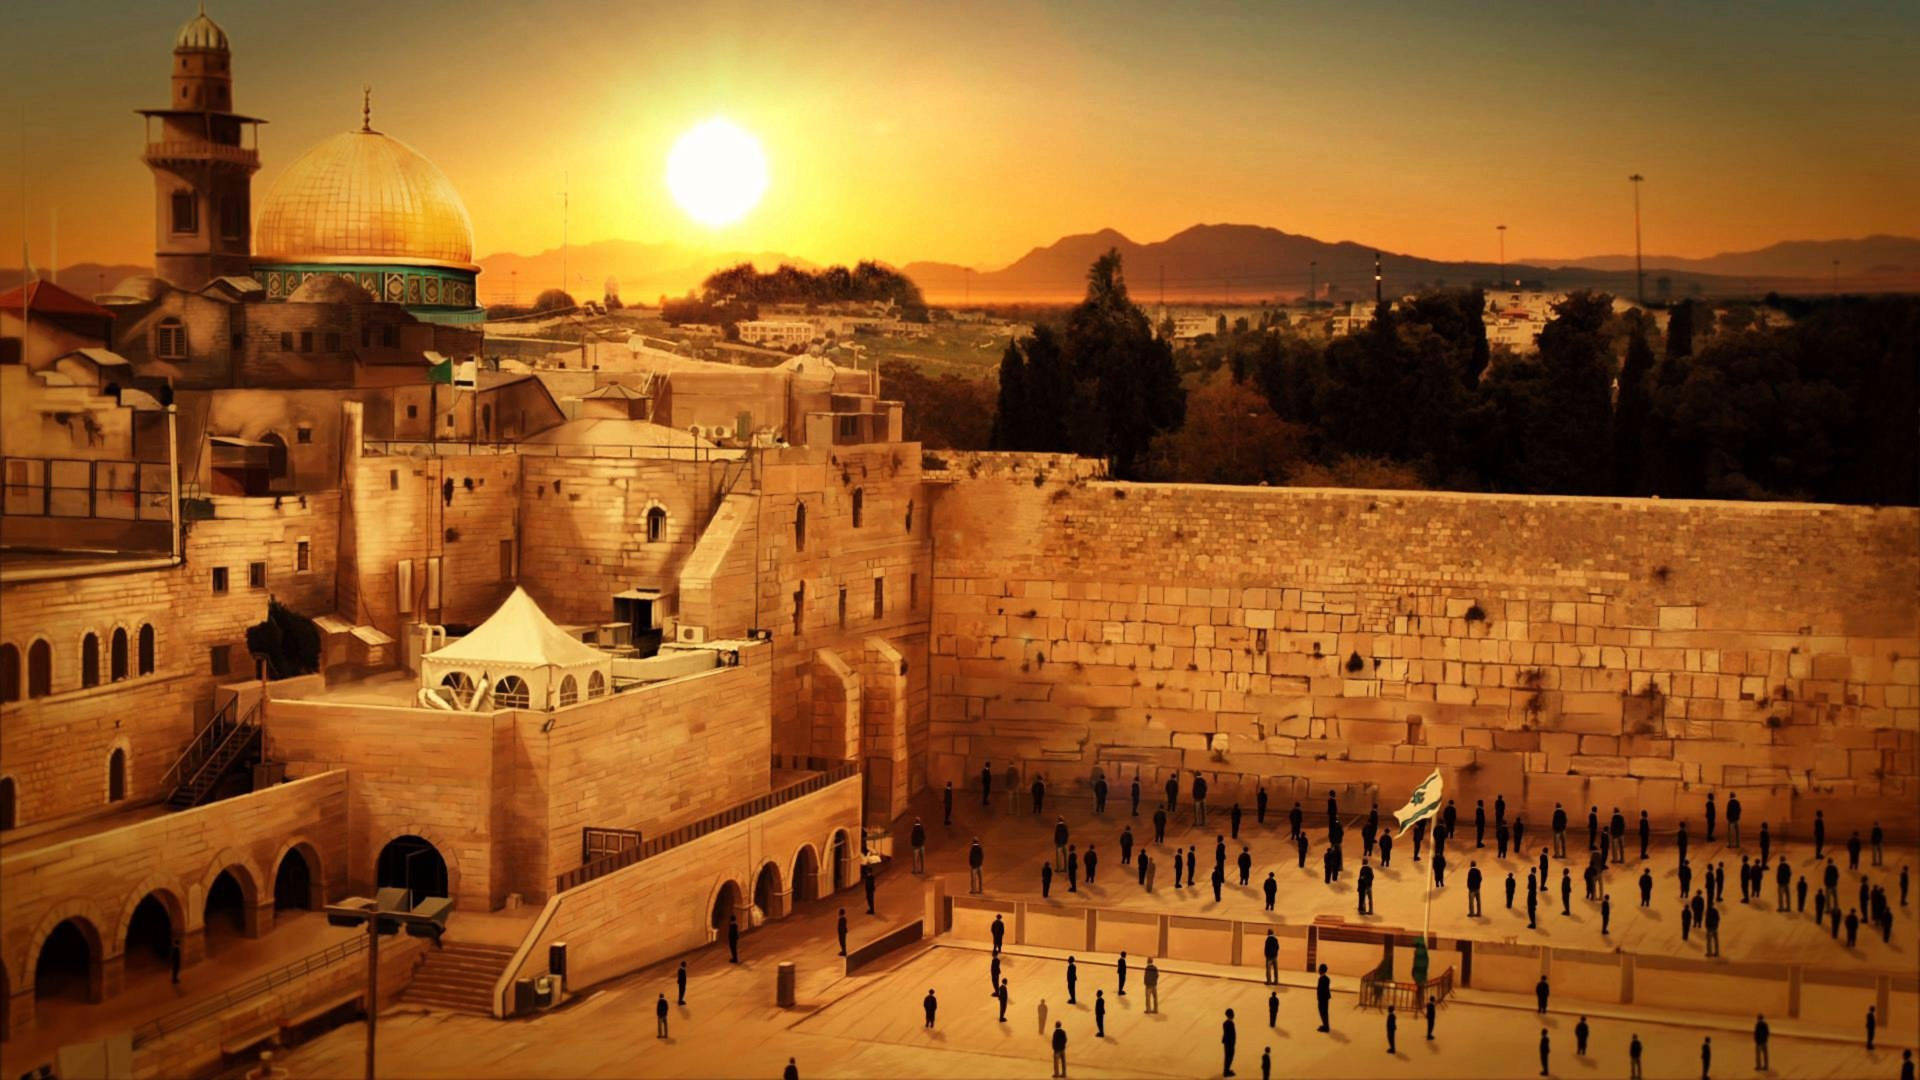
[[199, 150]]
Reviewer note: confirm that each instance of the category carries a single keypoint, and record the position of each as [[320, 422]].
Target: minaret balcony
[[196, 151]]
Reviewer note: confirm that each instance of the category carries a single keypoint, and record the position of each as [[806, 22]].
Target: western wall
[[1590, 651]]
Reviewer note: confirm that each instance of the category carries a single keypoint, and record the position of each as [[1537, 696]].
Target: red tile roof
[[47, 298]]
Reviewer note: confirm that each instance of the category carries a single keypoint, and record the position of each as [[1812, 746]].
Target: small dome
[[330, 289], [136, 289], [201, 34], [365, 196]]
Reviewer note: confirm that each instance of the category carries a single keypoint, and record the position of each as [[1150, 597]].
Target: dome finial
[[366, 108]]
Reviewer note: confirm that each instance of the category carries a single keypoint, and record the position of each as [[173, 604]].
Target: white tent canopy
[[518, 658]]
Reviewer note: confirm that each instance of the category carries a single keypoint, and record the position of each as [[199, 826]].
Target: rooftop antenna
[[1503, 255], [366, 108], [566, 183], [1639, 274]]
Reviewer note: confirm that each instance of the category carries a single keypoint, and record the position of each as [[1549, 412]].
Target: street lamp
[[1503, 254], [387, 915], [1639, 274]]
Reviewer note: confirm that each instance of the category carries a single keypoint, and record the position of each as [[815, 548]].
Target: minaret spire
[[366, 108]]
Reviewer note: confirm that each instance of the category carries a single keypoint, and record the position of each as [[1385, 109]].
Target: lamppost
[[1503, 255], [428, 919], [1639, 274]]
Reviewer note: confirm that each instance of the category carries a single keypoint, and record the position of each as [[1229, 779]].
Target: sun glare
[[717, 173]]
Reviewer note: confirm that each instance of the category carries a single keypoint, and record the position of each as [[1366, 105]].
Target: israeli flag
[[1422, 804]]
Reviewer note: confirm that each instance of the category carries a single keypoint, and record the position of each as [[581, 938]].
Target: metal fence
[[213, 1006], [1378, 991], [85, 488], [732, 815]]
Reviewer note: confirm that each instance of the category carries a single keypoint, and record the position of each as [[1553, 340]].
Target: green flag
[[441, 372]]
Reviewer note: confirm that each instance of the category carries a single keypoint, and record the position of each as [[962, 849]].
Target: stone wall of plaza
[[583, 527], [800, 587], [503, 796], [57, 748], [99, 878], [666, 905], [457, 512], [1636, 653]]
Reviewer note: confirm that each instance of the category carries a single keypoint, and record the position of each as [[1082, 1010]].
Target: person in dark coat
[[1606, 912], [1646, 888], [1060, 843], [733, 940], [1733, 820], [1046, 879], [1761, 1034], [1429, 1017], [1566, 891], [1706, 1050], [1533, 901], [1853, 851], [1393, 1025], [868, 883], [1519, 834], [1293, 820], [1073, 869], [1219, 878], [1510, 887], [917, 837], [946, 804], [1173, 792], [1160, 824], [1073, 980], [1872, 1026], [1100, 1014], [1419, 837], [1580, 1033], [1199, 802], [1633, 1056], [660, 1017], [1271, 888], [1126, 846], [986, 783], [1323, 997], [1120, 974], [1559, 830], [930, 1004], [1227, 1041], [999, 931], [1386, 849], [1501, 835], [840, 928], [680, 976], [1711, 815], [1369, 829], [1273, 1008], [976, 860], [1271, 950], [1245, 863], [1646, 834], [1363, 893], [1540, 992], [1233, 820], [1546, 1048], [1713, 930], [1039, 793], [1473, 888], [1001, 995], [791, 1072], [1059, 1049], [1191, 879], [1135, 791], [1099, 794], [1091, 862], [1260, 805], [1480, 823], [1300, 844]]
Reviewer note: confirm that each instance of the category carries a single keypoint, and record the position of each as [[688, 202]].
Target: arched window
[[170, 337], [859, 505], [117, 775], [462, 686], [656, 525], [569, 691], [117, 659], [146, 649], [9, 814], [90, 660], [9, 673], [511, 693], [39, 669], [596, 686], [909, 515], [800, 527]]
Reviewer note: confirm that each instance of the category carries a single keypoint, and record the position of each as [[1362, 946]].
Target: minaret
[[202, 171]]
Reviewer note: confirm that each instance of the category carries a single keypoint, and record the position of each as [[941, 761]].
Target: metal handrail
[[1378, 991], [202, 148], [238, 730], [607, 864], [200, 1010], [210, 733]]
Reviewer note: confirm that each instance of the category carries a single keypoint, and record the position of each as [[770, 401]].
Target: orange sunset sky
[[972, 132]]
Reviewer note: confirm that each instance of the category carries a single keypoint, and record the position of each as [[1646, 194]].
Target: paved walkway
[[1016, 844]]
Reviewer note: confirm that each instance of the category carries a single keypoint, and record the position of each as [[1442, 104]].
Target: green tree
[[1126, 388], [1680, 330], [1579, 374], [1230, 436], [1632, 404], [1010, 417], [951, 412], [554, 300]]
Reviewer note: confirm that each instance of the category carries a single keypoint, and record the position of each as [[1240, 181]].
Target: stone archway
[[805, 874], [842, 860], [413, 863], [70, 962], [724, 905], [768, 898]]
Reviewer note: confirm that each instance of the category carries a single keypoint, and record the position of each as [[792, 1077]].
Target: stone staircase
[[459, 977]]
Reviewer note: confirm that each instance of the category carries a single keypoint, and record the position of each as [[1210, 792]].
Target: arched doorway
[[411, 863], [766, 892], [293, 882], [150, 936], [69, 964], [279, 471], [725, 903], [806, 874], [225, 915], [840, 859]]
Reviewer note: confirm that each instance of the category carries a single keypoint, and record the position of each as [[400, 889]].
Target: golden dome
[[201, 34], [364, 197]]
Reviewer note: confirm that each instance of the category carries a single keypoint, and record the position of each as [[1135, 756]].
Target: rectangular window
[[913, 592], [393, 479], [413, 412], [303, 557], [286, 341], [506, 560], [186, 216], [449, 421], [219, 580], [219, 655], [257, 575], [799, 606], [233, 218], [843, 607], [306, 341], [879, 598], [333, 341], [303, 435]]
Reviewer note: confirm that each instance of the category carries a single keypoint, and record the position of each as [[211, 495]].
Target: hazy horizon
[[912, 135]]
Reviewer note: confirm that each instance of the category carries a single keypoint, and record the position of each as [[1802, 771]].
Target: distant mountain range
[[1248, 262], [1212, 263]]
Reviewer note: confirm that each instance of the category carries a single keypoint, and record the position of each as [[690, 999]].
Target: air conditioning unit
[[689, 634]]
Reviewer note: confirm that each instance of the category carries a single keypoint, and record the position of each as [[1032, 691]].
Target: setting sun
[[717, 173]]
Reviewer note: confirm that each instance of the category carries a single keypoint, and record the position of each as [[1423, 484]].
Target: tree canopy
[[865, 282]]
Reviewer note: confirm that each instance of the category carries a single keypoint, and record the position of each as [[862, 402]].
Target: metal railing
[[1377, 991], [732, 815], [451, 447], [200, 1010], [201, 150], [201, 749]]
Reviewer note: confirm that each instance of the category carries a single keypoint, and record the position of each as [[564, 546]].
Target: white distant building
[[1188, 327], [777, 334]]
